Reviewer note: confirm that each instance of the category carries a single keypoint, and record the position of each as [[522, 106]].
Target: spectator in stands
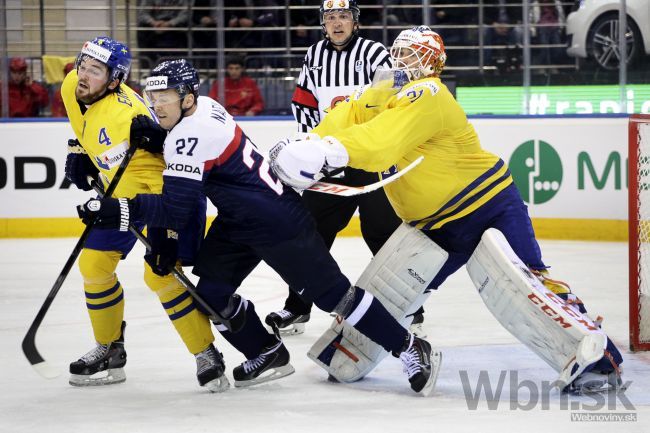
[[300, 20], [166, 20], [203, 32], [249, 15], [243, 97], [58, 109], [504, 28], [550, 14], [26, 97]]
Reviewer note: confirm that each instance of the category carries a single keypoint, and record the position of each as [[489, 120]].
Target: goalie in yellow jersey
[[107, 117], [460, 197]]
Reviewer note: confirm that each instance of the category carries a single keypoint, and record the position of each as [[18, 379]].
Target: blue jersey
[[207, 154]]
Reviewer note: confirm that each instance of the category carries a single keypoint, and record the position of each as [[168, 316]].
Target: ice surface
[[161, 393]]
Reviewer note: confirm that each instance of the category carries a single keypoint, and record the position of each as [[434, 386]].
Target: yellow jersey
[[385, 129], [103, 130]]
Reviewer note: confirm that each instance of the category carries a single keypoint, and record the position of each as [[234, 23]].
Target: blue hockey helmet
[[339, 5], [175, 74], [115, 55]]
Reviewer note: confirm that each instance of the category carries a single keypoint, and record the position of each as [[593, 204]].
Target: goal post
[[639, 230]]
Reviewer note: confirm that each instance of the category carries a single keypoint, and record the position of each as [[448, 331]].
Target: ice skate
[[421, 364], [210, 370], [272, 364], [286, 322], [101, 366], [596, 382]]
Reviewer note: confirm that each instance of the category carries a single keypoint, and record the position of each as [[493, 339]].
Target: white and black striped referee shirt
[[329, 76]]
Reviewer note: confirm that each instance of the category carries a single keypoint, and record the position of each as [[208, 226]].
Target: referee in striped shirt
[[333, 68]]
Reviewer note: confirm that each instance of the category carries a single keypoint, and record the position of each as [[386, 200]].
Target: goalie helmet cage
[[639, 230]]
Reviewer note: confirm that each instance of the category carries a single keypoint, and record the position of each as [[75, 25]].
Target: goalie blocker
[[568, 340]]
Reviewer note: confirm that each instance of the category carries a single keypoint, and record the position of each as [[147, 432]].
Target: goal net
[[639, 230]]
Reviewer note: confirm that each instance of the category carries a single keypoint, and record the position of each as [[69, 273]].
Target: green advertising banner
[[554, 99]]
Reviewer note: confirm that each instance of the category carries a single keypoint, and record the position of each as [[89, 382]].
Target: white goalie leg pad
[[398, 277], [562, 336]]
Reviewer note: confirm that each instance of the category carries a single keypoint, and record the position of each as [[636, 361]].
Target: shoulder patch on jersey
[[414, 92]]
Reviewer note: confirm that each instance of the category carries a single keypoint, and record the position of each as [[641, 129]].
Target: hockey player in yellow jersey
[[458, 194], [107, 117]]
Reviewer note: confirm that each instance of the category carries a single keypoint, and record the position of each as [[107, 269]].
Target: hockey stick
[[179, 275], [348, 191], [29, 342]]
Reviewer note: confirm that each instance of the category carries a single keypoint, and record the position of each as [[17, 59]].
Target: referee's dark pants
[[333, 213]]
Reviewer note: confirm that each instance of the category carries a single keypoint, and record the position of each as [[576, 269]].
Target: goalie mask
[[420, 52]]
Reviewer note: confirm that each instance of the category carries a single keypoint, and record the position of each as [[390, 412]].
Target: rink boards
[[571, 171]]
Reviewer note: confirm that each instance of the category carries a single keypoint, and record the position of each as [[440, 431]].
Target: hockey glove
[[147, 134], [78, 166], [110, 213], [301, 163], [163, 254]]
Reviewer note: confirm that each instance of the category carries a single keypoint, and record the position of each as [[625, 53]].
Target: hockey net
[[639, 230]]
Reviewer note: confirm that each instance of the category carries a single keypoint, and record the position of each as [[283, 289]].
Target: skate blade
[[295, 329], [267, 376], [436, 361], [220, 384], [112, 375]]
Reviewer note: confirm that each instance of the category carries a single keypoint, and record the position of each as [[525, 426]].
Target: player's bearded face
[[93, 81], [166, 105], [339, 26]]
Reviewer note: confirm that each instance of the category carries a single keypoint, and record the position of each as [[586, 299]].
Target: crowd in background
[[163, 33]]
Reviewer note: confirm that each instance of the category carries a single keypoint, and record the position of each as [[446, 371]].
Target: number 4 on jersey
[[103, 137]]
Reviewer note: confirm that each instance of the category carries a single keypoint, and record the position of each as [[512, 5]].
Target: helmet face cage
[[420, 51], [339, 5], [115, 55]]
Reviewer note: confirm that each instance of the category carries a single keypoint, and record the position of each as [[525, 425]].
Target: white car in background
[[592, 31]]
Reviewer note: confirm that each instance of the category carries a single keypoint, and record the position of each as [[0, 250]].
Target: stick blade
[[46, 370]]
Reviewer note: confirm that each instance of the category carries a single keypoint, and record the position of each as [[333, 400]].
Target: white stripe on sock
[[361, 309]]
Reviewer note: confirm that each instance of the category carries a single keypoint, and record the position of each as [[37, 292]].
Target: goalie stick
[[179, 275], [348, 191], [39, 364]]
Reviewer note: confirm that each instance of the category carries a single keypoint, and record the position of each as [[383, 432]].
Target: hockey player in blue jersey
[[259, 218]]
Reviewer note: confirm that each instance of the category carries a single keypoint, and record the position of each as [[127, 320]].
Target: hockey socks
[[370, 317]]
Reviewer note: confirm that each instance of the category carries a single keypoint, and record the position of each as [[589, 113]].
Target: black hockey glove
[[163, 254], [78, 166], [147, 134], [111, 213]]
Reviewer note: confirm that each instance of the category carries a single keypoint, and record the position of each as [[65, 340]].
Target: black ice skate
[[101, 366], [272, 364], [421, 364], [210, 369], [287, 322]]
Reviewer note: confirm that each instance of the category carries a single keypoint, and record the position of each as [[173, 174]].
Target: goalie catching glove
[[301, 162], [107, 213]]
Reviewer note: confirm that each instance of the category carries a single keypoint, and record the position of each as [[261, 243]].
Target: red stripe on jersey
[[304, 97], [228, 151]]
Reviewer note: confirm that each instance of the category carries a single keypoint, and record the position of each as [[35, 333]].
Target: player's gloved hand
[[147, 134], [78, 166], [301, 163], [163, 254], [110, 213]]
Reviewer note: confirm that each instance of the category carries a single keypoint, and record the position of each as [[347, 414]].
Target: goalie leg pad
[[398, 277], [558, 332]]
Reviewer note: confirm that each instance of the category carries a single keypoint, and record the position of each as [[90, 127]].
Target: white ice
[[161, 393]]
